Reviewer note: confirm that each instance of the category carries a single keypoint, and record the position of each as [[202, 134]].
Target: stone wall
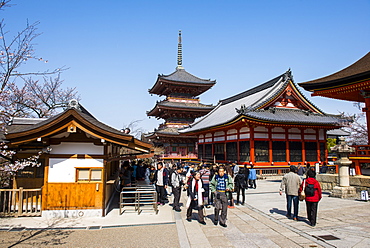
[[328, 181]]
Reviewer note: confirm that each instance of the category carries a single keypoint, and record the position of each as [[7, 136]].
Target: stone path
[[262, 223]]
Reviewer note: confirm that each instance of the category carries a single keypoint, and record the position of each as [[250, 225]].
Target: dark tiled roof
[[338, 132], [26, 121], [82, 112], [181, 106], [79, 114], [185, 105], [292, 116], [357, 69], [257, 89], [180, 75], [168, 130], [17, 128]]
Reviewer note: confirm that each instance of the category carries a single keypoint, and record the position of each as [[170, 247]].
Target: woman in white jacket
[[195, 198]]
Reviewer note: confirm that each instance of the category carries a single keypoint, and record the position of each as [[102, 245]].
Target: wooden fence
[[20, 202]]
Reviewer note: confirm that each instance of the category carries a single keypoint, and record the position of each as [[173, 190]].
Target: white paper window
[[89, 174], [95, 175], [83, 175]]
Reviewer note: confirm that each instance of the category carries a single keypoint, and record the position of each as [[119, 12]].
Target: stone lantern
[[344, 190]]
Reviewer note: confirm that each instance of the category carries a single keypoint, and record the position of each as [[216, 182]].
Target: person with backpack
[[230, 198], [176, 183], [313, 194], [241, 183], [290, 184], [213, 172]]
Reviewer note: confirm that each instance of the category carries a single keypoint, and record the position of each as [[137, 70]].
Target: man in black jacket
[[161, 182]]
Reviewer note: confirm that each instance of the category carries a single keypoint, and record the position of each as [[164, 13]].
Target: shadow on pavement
[[278, 211], [49, 236]]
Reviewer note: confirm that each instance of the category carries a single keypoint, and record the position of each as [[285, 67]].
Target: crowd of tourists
[[212, 185], [207, 185]]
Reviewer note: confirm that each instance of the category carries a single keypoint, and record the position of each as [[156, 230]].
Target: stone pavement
[[261, 222]]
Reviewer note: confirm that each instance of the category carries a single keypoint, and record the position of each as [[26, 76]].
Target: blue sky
[[115, 49]]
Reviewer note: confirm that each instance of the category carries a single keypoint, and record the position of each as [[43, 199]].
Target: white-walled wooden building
[[80, 163]]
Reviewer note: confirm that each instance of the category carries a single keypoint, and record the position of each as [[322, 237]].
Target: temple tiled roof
[[185, 105], [251, 105], [338, 132], [180, 75], [181, 81], [24, 130], [167, 131], [16, 127], [354, 72], [181, 106], [291, 116]]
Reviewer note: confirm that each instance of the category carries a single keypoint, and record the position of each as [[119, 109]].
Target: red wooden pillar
[[318, 151], [251, 143], [287, 151], [269, 130], [303, 146], [237, 145], [357, 167], [367, 111]]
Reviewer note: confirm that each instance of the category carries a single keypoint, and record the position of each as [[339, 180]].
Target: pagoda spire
[[179, 53]]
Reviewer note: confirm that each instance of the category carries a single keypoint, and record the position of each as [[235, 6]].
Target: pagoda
[[179, 109]]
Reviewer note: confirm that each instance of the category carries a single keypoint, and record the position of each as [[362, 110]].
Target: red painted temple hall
[[270, 125]]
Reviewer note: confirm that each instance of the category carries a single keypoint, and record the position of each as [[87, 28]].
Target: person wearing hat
[[290, 184]]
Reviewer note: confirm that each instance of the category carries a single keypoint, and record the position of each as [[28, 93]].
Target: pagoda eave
[[159, 111], [162, 87], [348, 92]]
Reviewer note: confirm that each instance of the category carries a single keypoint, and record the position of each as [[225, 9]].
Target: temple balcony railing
[[179, 156], [361, 151]]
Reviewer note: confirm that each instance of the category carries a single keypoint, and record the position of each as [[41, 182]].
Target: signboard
[[364, 195]]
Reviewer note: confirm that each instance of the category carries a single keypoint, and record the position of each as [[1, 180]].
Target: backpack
[[240, 181], [309, 190], [170, 177]]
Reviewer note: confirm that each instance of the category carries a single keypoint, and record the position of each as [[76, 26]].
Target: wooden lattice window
[[279, 151]]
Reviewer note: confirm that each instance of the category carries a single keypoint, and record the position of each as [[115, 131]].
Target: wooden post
[[357, 167], [367, 111], [44, 192], [251, 145], [20, 201]]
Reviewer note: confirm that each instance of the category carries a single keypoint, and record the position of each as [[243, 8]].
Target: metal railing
[[20, 202], [139, 197]]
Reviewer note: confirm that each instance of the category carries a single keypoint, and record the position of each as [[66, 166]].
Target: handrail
[[20, 202], [138, 196]]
